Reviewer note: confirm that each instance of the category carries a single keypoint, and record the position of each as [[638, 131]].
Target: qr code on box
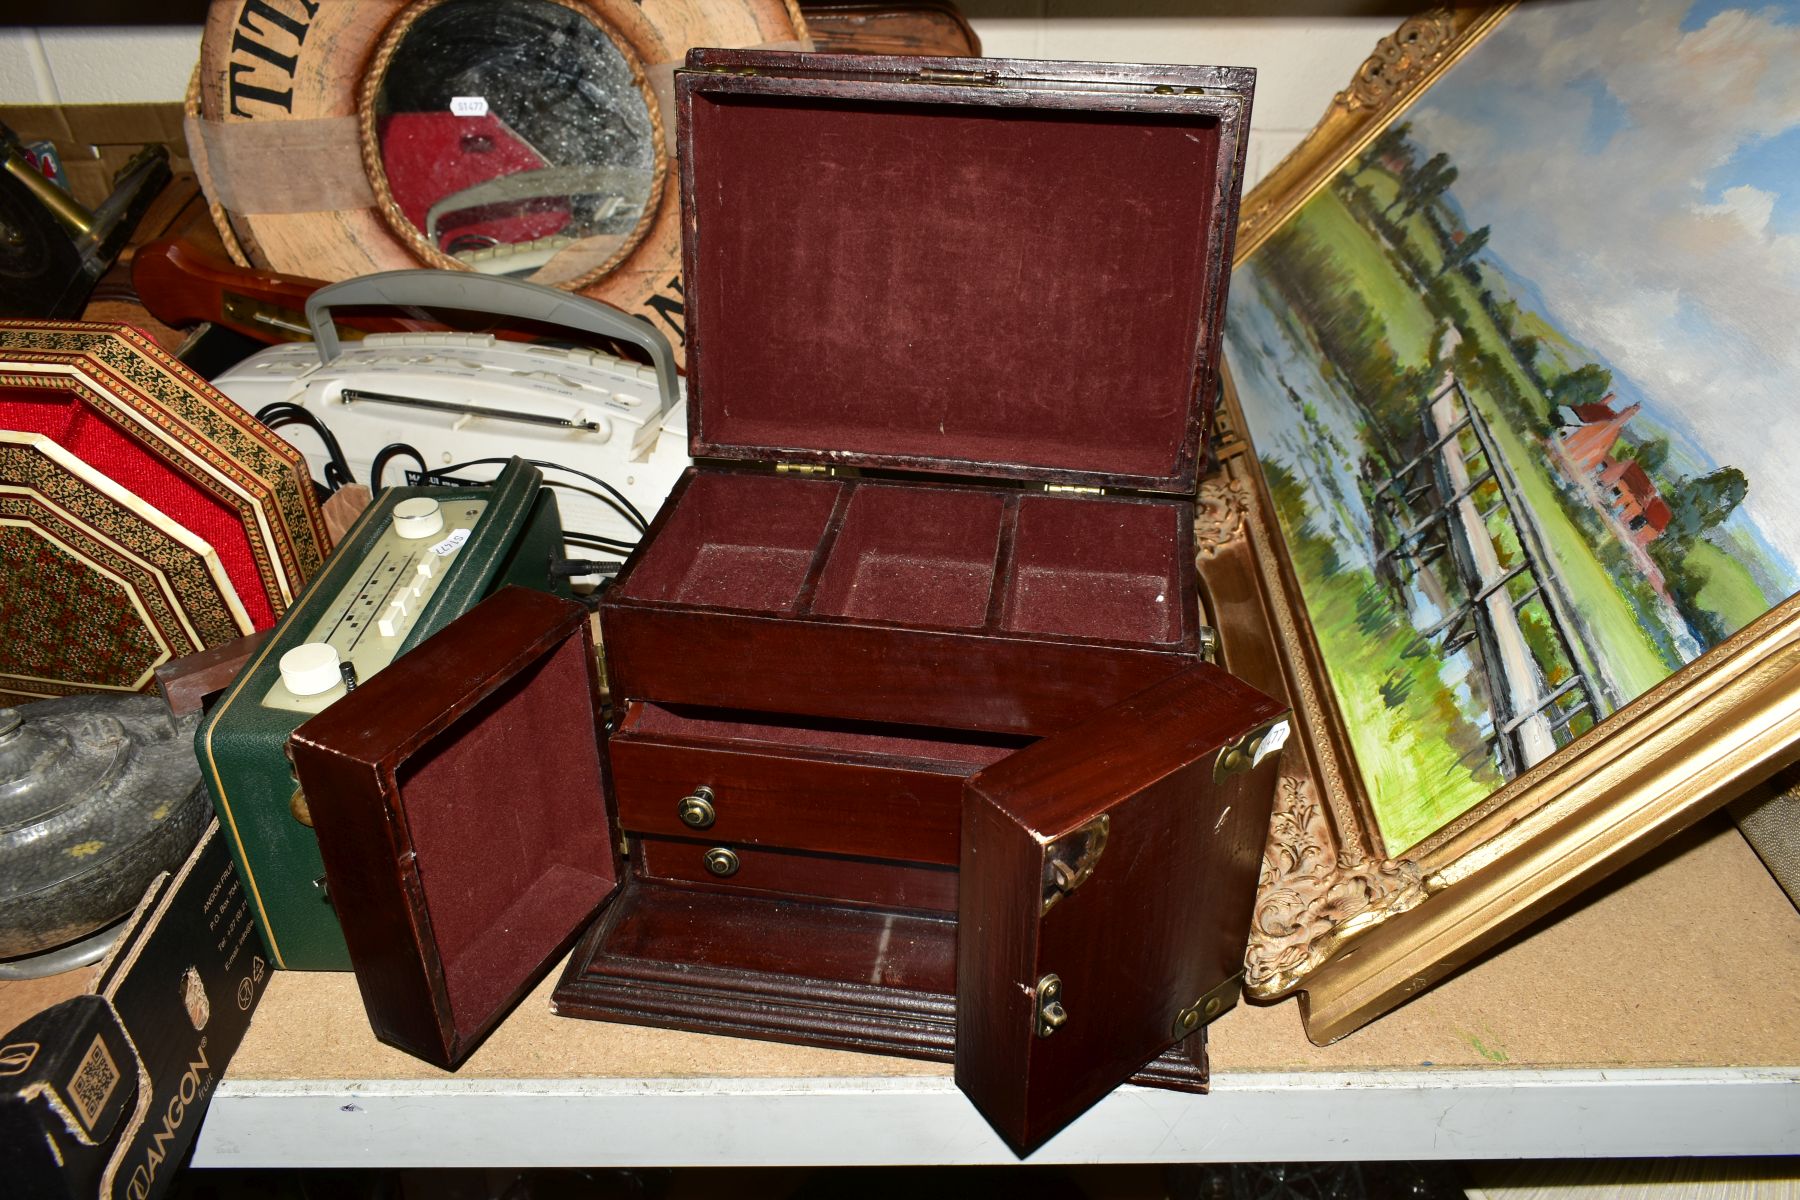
[[95, 1078]]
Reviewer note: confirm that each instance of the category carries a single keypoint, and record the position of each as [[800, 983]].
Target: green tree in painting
[[1589, 384], [1391, 142], [1423, 186], [1650, 455], [1698, 505], [1462, 253]]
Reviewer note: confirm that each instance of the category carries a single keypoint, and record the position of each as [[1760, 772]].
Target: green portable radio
[[418, 558]]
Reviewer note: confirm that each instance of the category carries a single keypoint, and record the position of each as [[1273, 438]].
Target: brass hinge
[[1209, 1006], [1050, 1015], [1070, 861], [802, 469], [1074, 489], [959, 78], [1252, 748]]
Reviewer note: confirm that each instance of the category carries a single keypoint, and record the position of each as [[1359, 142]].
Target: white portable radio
[[463, 397]]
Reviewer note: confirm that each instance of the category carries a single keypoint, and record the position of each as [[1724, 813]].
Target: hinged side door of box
[[459, 803], [1108, 874]]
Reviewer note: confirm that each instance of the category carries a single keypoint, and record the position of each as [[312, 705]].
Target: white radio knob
[[311, 669], [417, 518]]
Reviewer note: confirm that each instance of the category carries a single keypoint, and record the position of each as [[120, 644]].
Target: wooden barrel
[[285, 126]]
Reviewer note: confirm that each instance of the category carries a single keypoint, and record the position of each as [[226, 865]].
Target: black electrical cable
[[574, 568], [286, 412], [624, 507], [386, 455], [597, 542]]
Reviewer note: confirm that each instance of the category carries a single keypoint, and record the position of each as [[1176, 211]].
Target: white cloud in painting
[[1592, 137], [1751, 206]]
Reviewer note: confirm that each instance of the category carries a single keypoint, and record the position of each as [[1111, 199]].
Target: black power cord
[[614, 499], [386, 455], [286, 412]]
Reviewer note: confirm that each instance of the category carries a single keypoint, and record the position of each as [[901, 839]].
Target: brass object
[[696, 808], [1050, 1013], [246, 311], [1070, 861], [722, 862], [961, 78], [1242, 754], [297, 805], [1208, 1007], [64, 207]]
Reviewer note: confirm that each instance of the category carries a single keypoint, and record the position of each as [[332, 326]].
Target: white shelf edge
[[1302, 1116]]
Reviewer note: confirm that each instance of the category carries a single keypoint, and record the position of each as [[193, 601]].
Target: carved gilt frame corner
[[1352, 930]]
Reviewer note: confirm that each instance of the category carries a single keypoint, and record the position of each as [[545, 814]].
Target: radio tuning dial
[[310, 669], [417, 518]]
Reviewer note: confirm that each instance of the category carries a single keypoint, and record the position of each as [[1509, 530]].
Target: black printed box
[[101, 1095]]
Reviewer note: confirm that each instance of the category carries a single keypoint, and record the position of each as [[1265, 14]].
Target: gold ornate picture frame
[[1352, 925]]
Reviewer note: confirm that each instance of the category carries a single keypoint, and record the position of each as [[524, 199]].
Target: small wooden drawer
[[875, 791], [842, 879]]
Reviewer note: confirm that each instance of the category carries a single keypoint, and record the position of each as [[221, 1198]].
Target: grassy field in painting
[[1411, 753]]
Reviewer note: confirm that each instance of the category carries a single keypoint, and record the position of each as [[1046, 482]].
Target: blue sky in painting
[[1767, 164], [1639, 162]]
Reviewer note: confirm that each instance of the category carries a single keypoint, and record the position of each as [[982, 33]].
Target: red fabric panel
[[738, 541], [509, 823], [1096, 568], [63, 416], [933, 282], [924, 556]]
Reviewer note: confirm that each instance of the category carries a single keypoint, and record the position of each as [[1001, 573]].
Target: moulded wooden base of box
[[813, 974]]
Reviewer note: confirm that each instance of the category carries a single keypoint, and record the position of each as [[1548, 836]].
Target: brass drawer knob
[[696, 809], [721, 862]]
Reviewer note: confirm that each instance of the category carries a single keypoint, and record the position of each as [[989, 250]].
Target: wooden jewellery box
[[914, 747], [969, 311]]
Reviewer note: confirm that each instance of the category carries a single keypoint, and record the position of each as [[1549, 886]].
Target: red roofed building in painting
[[1588, 432], [1585, 439], [1634, 500]]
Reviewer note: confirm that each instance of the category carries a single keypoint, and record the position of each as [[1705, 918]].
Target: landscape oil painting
[[1523, 379]]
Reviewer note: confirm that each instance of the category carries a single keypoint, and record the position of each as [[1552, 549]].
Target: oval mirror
[[512, 137]]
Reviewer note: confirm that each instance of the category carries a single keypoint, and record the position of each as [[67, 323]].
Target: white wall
[[1302, 60]]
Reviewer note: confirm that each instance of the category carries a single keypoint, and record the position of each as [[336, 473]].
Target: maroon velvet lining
[[940, 283], [738, 541], [1095, 568], [508, 821], [924, 556], [836, 737]]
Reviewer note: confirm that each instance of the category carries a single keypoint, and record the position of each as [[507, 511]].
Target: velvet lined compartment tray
[[881, 791], [959, 606]]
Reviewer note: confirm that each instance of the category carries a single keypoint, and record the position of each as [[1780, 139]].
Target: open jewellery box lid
[[458, 801], [988, 267]]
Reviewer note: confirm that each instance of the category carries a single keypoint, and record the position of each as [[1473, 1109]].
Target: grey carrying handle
[[490, 294]]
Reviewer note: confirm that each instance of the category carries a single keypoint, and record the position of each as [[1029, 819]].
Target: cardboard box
[[101, 1094]]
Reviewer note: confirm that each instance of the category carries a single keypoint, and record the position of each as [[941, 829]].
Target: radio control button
[[310, 669], [417, 518]]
